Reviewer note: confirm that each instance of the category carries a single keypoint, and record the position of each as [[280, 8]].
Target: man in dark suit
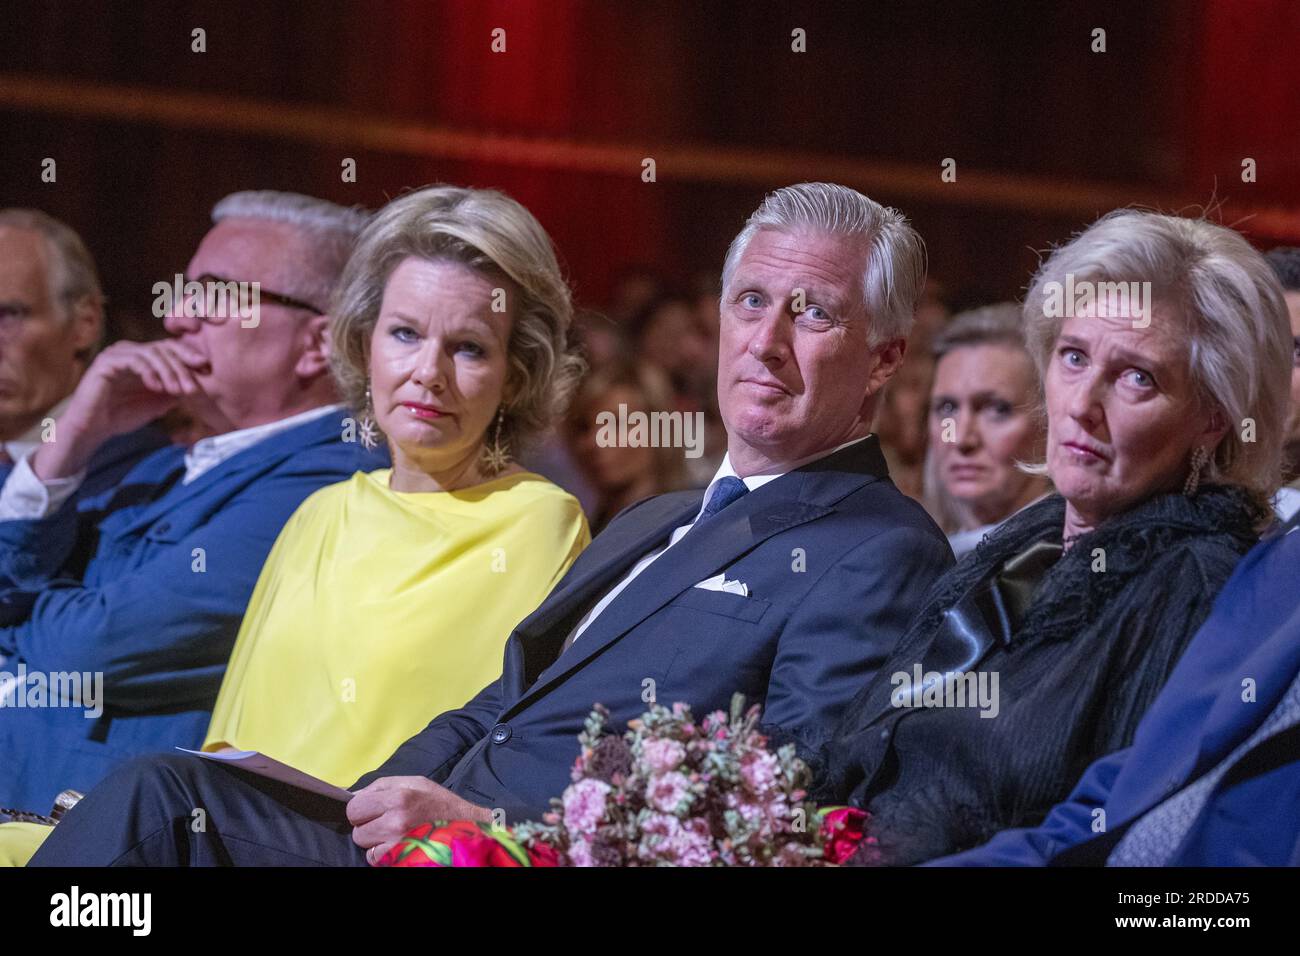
[[1213, 775], [789, 580]]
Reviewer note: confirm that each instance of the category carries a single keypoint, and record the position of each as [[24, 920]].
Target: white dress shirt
[[753, 483], [18, 447], [26, 496]]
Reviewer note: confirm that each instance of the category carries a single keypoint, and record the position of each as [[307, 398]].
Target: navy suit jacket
[[837, 561], [112, 460], [145, 583], [1252, 816]]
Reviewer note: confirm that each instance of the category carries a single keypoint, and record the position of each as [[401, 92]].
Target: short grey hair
[[1233, 315], [333, 229], [1002, 323], [896, 265], [73, 276], [488, 232]]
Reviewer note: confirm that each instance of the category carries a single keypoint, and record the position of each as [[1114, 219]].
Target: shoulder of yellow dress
[[531, 483]]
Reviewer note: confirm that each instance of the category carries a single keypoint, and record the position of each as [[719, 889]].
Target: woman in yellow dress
[[388, 598]]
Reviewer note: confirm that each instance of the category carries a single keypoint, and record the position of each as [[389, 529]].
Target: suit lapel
[[607, 559], [784, 503], [262, 456]]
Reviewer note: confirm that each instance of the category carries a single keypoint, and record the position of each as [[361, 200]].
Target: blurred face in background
[[983, 402], [611, 469], [439, 363], [39, 336], [901, 422], [674, 341]]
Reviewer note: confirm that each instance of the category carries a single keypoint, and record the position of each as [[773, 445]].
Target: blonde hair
[[491, 233], [1234, 318]]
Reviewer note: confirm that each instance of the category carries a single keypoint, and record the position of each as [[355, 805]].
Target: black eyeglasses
[[275, 298]]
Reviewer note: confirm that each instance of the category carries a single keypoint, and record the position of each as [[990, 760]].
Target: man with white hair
[[51, 321], [789, 581], [128, 601]]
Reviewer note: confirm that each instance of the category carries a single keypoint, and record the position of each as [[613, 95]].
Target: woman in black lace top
[[1040, 651]]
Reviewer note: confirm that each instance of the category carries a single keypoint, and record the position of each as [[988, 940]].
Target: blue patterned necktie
[[725, 492]]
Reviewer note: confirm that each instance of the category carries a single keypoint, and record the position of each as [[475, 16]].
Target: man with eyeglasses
[[118, 610]]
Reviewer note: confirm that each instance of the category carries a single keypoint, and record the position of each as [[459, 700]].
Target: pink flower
[[580, 854], [662, 755], [667, 791], [758, 769], [584, 805], [666, 839]]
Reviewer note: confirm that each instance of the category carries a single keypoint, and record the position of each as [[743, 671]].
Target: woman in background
[[621, 473], [985, 418]]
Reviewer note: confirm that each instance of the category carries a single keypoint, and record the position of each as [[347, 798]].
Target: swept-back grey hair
[[333, 229], [73, 276], [895, 272], [1230, 311]]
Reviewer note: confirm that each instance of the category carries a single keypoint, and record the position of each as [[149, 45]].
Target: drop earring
[[1199, 457], [367, 431], [496, 456]]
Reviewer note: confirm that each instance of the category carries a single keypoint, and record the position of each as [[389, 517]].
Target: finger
[[381, 830], [187, 353], [145, 374], [184, 375], [164, 370], [377, 853], [365, 807]]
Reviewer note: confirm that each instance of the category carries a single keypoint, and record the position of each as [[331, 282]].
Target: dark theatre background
[[1046, 133]]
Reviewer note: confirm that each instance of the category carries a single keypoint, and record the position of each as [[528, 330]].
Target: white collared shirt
[[28, 497], [17, 448], [206, 453], [752, 482]]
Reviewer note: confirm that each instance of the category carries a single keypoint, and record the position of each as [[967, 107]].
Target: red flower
[[464, 843], [843, 828]]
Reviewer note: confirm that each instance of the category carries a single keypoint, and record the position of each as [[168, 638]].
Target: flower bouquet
[[670, 791]]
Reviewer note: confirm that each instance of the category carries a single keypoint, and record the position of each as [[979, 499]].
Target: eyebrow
[[1124, 355], [470, 323], [814, 294], [975, 398]]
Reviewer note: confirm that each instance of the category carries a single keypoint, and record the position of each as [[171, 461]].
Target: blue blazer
[[145, 583], [112, 460], [836, 559], [1251, 817]]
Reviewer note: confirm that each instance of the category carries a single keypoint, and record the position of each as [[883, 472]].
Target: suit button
[[500, 733]]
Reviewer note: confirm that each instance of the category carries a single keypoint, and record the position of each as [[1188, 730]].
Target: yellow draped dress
[[376, 611]]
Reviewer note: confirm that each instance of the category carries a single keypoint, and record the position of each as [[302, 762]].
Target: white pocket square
[[719, 582]]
